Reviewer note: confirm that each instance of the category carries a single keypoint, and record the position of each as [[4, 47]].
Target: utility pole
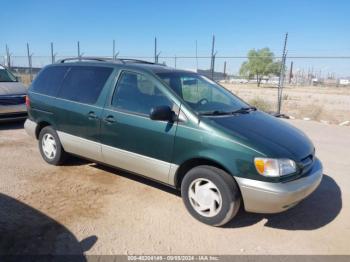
[[291, 72], [30, 63], [212, 63], [156, 54], [53, 56], [113, 55], [155, 50], [175, 60], [281, 78], [8, 57], [196, 56], [225, 70], [79, 56]]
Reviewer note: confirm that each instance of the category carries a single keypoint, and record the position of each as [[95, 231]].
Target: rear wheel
[[210, 195], [50, 146]]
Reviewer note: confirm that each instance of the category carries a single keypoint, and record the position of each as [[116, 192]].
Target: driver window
[[137, 93], [194, 90]]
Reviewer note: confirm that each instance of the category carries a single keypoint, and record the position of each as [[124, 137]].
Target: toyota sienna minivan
[[176, 127]]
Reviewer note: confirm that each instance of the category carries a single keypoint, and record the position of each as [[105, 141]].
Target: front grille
[[12, 100]]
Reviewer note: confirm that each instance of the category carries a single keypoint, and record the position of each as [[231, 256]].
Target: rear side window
[[84, 84], [49, 80]]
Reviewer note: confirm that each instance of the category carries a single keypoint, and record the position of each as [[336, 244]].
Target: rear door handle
[[92, 115], [109, 119]]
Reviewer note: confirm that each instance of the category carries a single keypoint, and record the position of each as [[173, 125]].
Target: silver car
[[12, 97]]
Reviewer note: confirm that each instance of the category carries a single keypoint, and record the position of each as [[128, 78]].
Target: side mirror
[[162, 113]]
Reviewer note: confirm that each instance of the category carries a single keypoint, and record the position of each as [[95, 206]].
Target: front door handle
[[92, 115], [109, 119]]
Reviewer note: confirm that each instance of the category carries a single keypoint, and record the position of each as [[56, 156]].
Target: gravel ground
[[85, 207]]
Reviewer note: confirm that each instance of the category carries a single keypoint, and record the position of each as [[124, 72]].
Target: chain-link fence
[[314, 87], [301, 71]]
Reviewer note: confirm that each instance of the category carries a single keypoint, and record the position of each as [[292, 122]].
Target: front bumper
[[265, 197]]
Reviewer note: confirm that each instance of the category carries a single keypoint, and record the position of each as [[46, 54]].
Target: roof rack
[[86, 58], [126, 60], [106, 59]]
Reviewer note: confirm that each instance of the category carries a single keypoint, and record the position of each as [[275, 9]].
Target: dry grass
[[261, 104], [25, 79], [326, 104]]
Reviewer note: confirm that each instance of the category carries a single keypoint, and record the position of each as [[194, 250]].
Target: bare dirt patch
[[47, 209]]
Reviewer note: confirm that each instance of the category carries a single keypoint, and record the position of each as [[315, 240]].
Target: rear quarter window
[[84, 84], [49, 80]]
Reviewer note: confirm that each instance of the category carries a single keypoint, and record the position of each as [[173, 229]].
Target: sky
[[315, 28]]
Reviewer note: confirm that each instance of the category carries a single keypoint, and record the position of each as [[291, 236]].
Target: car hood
[[12, 88], [266, 134]]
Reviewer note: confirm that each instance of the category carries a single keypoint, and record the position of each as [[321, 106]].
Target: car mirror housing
[[162, 113]]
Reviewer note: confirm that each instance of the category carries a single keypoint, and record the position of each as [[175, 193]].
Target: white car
[[12, 97], [238, 81]]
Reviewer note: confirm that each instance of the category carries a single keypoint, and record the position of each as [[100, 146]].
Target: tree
[[260, 63]]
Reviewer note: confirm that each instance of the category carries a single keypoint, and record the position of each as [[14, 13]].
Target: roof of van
[[125, 63], [156, 68]]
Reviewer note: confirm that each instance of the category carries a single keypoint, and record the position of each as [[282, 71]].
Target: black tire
[[225, 184], [60, 156]]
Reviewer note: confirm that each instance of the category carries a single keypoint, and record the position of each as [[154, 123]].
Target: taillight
[[27, 101]]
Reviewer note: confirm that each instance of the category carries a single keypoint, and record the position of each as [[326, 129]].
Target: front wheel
[[50, 146], [210, 195]]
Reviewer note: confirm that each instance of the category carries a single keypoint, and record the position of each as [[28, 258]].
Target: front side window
[[202, 94], [137, 93], [84, 83]]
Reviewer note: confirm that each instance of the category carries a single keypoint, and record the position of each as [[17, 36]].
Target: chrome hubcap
[[49, 146], [205, 197]]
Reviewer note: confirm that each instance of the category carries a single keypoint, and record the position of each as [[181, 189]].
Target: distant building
[[344, 82]]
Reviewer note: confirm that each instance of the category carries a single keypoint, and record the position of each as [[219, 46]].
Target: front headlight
[[271, 167]]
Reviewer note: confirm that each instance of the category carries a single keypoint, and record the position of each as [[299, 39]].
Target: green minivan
[[176, 127]]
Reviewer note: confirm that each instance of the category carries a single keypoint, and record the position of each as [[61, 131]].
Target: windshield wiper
[[244, 110], [215, 113]]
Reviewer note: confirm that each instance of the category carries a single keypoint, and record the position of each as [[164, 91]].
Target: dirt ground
[[324, 104], [84, 207]]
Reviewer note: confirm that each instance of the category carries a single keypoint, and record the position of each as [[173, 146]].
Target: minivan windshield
[[6, 76], [202, 94]]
